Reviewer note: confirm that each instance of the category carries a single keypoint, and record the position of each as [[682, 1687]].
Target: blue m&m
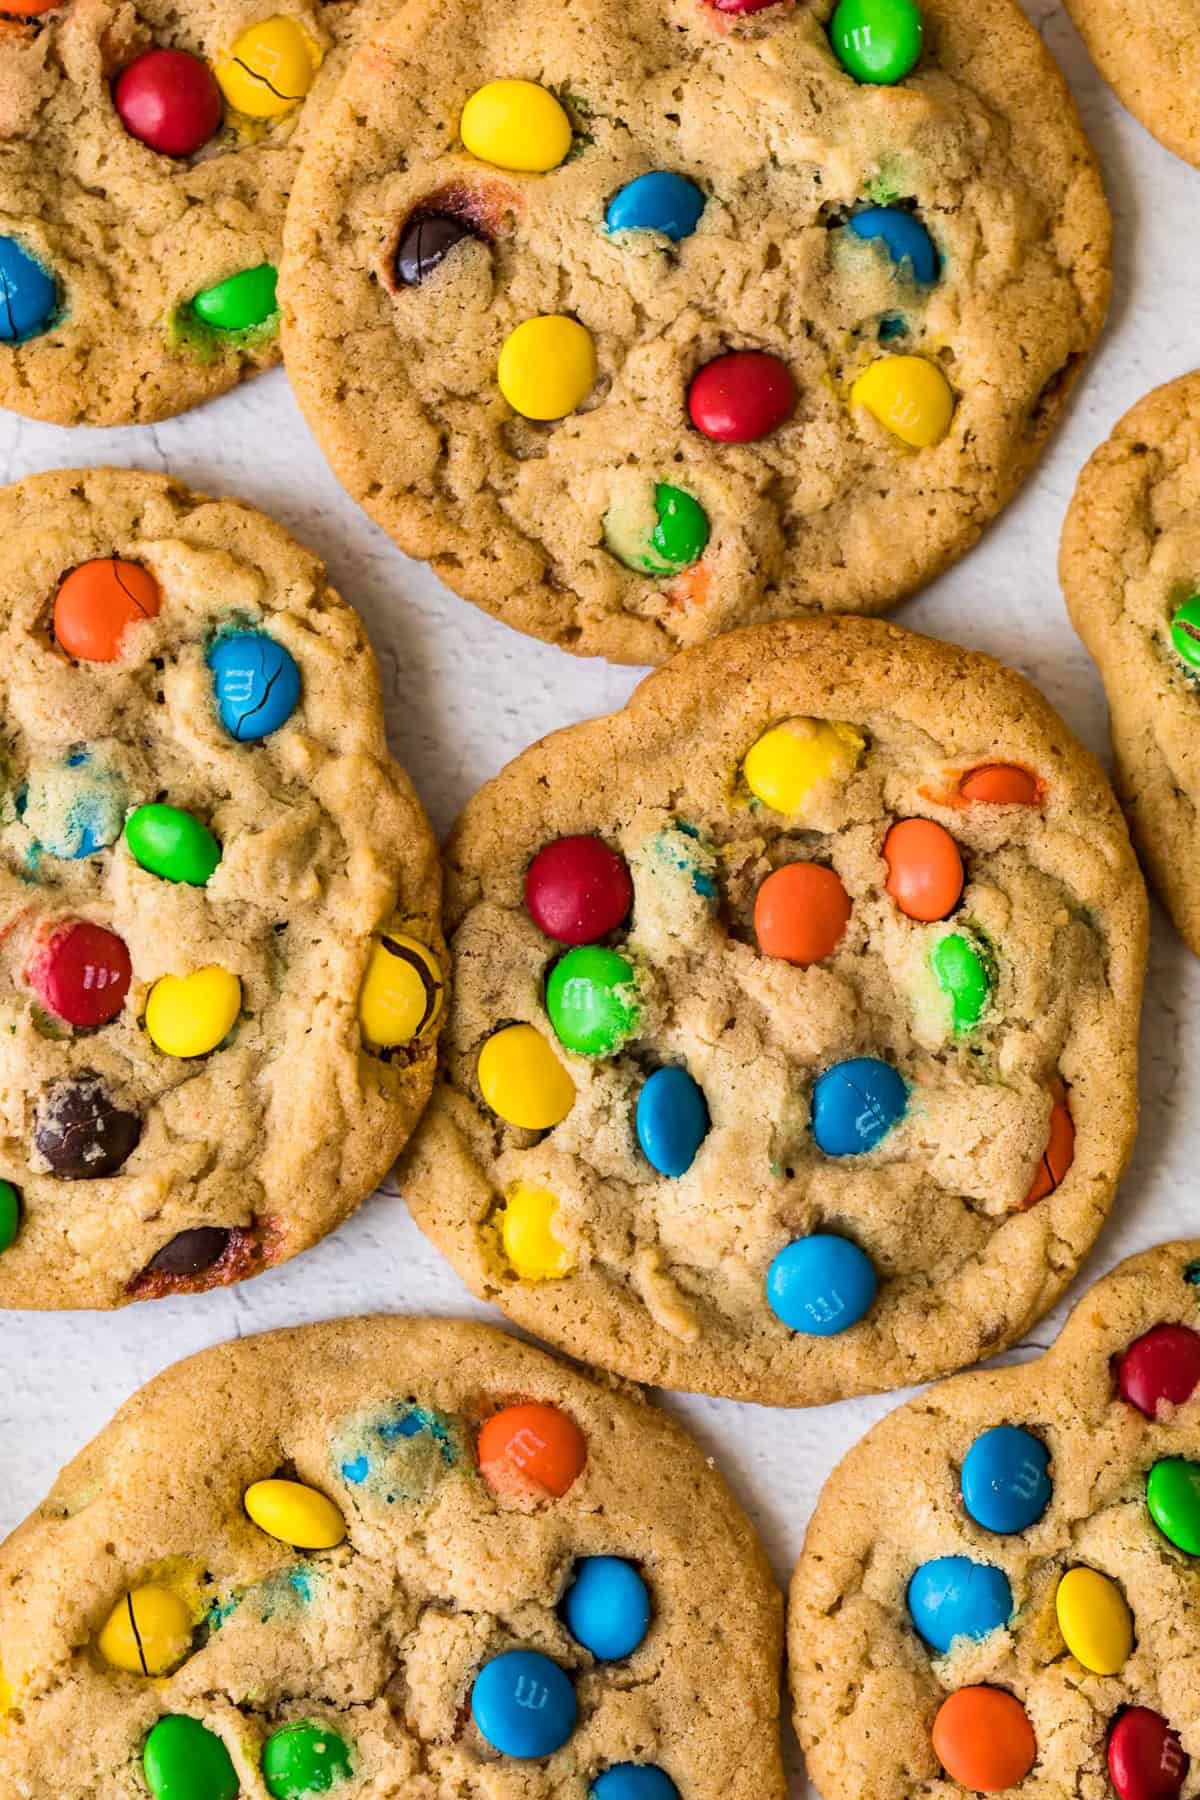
[[1005, 1478], [28, 295], [256, 684], [672, 1120], [634, 1781], [904, 238], [523, 1704], [956, 1597], [607, 1607], [855, 1104], [659, 201], [821, 1285]]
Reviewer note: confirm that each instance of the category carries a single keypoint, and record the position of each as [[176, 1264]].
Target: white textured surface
[[465, 694]]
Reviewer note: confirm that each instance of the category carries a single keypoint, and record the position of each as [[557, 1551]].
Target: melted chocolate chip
[[426, 242], [191, 1252], [82, 1132]]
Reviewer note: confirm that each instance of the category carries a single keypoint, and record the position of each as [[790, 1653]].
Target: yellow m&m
[[295, 1514], [547, 367], [269, 68], [402, 992], [516, 125], [909, 396], [189, 1015], [148, 1632], [790, 759], [523, 1081], [1095, 1620], [527, 1234]]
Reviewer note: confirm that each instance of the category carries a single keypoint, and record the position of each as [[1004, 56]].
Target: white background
[[465, 694]]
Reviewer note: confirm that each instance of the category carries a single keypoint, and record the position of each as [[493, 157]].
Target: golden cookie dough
[[867, 1687], [830, 512], [1150, 57], [453, 1554], [1129, 562], [973, 1216], [235, 1157]]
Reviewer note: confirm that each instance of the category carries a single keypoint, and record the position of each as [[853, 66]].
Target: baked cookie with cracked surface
[[221, 970], [792, 1048], [640, 319], [1130, 570], [998, 1586], [389, 1556], [1149, 57], [147, 150]]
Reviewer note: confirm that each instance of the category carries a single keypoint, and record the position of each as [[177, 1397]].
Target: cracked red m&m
[[82, 974], [741, 397], [170, 101]]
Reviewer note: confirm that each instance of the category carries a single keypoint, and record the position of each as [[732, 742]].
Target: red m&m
[[169, 101], [1161, 1365], [925, 870], [1145, 1757], [98, 602], [1057, 1157], [742, 396], [742, 6], [578, 889], [82, 973]]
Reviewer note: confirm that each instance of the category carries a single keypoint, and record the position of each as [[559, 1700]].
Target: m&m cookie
[[642, 319], [146, 157], [792, 1045], [395, 1556], [997, 1591], [221, 967], [1130, 571], [1152, 63]]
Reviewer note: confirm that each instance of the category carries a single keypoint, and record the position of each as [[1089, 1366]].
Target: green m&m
[[592, 1000], [675, 539], [1173, 1497], [10, 1215], [877, 40], [304, 1759], [172, 843], [962, 974], [184, 1760], [1185, 631], [240, 303]]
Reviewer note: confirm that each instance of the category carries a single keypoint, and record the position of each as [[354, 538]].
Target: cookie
[[389, 1556], [221, 971], [1150, 60], [997, 1587], [792, 1048], [146, 155], [641, 319], [1130, 571]]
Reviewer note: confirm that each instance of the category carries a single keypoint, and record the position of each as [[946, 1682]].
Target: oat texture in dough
[[221, 971], [717, 1133]]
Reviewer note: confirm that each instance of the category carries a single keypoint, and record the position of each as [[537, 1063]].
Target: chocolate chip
[[82, 1132], [191, 1252], [426, 242]]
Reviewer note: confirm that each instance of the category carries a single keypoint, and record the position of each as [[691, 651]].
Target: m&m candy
[[672, 536], [1057, 1157], [800, 913], [269, 68], [903, 236], [531, 1451], [1005, 1479], [256, 684], [523, 1704], [10, 1215], [170, 101], [522, 1080], [1095, 1620], [171, 843], [1185, 631], [516, 125], [148, 1632], [983, 1739], [82, 973], [855, 1104], [240, 302], [426, 242], [304, 1758], [957, 1597], [658, 201], [925, 871], [183, 1760], [295, 1514], [98, 602], [877, 41], [189, 1015], [672, 1120], [547, 367], [1173, 1500], [1000, 784], [74, 806], [591, 997], [643, 1781], [403, 991], [961, 971], [787, 762], [28, 295], [741, 396], [1146, 1760], [577, 889], [528, 1237], [1160, 1367], [82, 1132], [909, 396], [821, 1285], [607, 1607]]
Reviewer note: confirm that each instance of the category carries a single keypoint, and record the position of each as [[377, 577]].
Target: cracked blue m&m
[[855, 1104], [633, 1781], [256, 684], [1006, 1484], [523, 1704], [672, 1121], [658, 201], [821, 1285], [956, 1597], [607, 1607], [903, 236], [28, 295]]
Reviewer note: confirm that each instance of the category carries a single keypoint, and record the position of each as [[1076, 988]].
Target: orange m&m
[[531, 1449], [1057, 1157], [983, 1739], [925, 870], [1000, 784], [29, 9], [800, 913], [98, 602]]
